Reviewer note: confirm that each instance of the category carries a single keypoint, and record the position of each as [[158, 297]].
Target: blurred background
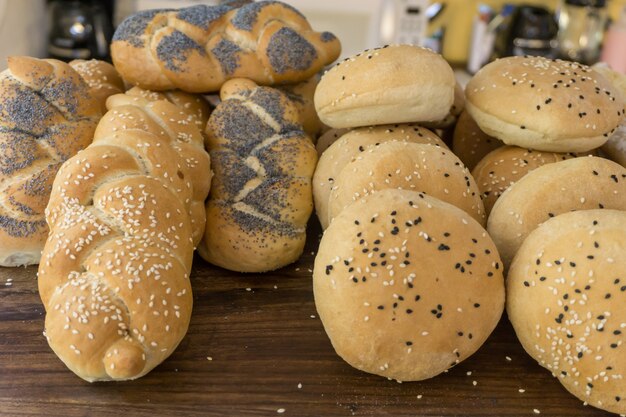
[[469, 33]]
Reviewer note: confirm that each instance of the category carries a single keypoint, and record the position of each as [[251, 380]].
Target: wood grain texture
[[263, 343]]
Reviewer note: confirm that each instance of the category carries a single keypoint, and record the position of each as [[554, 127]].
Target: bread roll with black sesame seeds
[[583, 183], [101, 77], [430, 169], [392, 84], [504, 166], [124, 216], [470, 143], [566, 291], [615, 147], [328, 138], [260, 199], [194, 105], [349, 146], [406, 285], [198, 48], [47, 114], [542, 104]]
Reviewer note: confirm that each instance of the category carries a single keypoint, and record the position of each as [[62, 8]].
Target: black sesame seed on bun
[[543, 104], [406, 285]]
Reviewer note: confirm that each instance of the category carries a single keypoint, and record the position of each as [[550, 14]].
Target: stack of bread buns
[[405, 262]]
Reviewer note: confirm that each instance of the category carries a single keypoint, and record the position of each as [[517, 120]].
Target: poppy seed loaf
[[548, 105], [392, 84], [566, 291], [406, 285]]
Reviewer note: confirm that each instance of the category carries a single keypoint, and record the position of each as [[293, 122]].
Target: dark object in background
[[530, 31], [79, 29], [582, 24]]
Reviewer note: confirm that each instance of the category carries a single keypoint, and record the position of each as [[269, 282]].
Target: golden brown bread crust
[[548, 105], [194, 105], [198, 48], [565, 299], [583, 183], [46, 115], [392, 84], [502, 167], [407, 166], [124, 215], [406, 285], [302, 96], [101, 77], [470, 143], [260, 198], [352, 144]]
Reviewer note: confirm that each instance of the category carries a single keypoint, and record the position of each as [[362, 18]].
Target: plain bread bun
[[470, 143]]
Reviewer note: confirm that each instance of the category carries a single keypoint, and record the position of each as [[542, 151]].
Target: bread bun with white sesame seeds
[[542, 104], [566, 291], [261, 198], [124, 216], [350, 146], [502, 167], [455, 111], [406, 285], [392, 84], [470, 143], [101, 77], [47, 115], [615, 148], [583, 183], [430, 169], [194, 105]]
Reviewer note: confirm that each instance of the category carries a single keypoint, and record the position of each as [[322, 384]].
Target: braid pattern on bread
[[261, 197], [46, 116], [199, 48], [125, 215]]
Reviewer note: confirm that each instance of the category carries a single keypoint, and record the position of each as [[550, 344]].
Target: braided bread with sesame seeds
[[124, 216], [198, 48], [47, 114], [261, 195], [101, 77]]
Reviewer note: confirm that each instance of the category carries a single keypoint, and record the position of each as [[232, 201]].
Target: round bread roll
[[349, 146], [566, 291], [615, 147], [470, 143], [576, 184], [455, 111], [543, 104], [406, 285], [392, 84], [328, 138], [506, 165], [409, 166]]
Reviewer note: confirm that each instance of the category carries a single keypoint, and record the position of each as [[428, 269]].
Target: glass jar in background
[[581, 28]]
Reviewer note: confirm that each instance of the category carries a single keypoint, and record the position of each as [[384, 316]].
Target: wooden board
[[269, 353]]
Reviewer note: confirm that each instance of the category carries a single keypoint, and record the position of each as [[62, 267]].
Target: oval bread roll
[[548, 105], [392, 84], [406, 285], [408, 166], [566, 291], [576, 184], [352, 144]]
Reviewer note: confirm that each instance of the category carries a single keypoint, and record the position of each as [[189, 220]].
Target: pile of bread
[[418, 253], [108, 190]]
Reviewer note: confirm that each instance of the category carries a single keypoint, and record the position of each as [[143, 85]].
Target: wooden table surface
[[269, 356]]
